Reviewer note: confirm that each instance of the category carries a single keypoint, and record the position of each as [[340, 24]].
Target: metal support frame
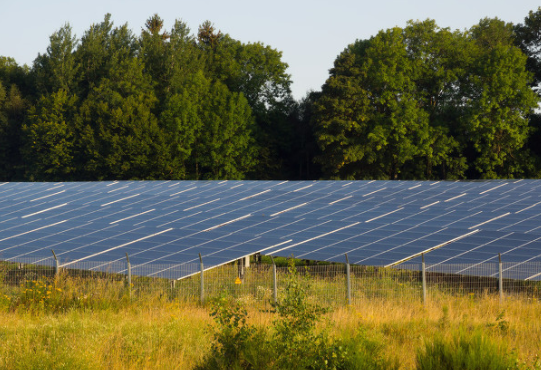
[[129, 275], [202, 296], [500, 276], [274, 282], [240, 268], [57, 265], [423, 274], [348, 280]]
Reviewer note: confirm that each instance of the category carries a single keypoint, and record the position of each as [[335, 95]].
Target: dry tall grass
[[166, 335], [98, 327], [162, 337], [514, 324]]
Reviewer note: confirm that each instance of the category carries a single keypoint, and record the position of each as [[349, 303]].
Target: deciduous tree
[[425, 102], [210, 131]]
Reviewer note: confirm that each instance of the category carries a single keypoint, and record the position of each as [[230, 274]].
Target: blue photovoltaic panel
[[164, 225]]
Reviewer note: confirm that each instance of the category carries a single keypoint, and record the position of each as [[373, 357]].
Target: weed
[[444, 320], [501, 323]]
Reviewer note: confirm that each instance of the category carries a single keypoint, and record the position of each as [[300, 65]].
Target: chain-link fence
[[262, 284]]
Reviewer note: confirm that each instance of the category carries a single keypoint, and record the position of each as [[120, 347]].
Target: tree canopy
[[164, 104], [427, 103], [412, 102]]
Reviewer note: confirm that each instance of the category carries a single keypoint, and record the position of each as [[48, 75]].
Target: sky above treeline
[[310, 34]]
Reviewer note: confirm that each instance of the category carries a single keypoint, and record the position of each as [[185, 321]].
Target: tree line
[[418, 102]]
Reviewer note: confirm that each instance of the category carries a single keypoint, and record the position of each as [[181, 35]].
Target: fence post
[[57, 265], [202, 297], [423, 273], [274, 281], [348, 280], [240, 266], [500, 276], [129, 274]]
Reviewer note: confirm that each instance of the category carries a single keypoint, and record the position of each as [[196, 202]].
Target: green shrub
[[233, 335], [292, 342], [237, 345], [365, 351], [295, 343], [464, 352], [299, 345]]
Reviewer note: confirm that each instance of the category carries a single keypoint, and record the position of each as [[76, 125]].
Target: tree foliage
[[528, 38], [13, 110], [418, 102], [425, 102], [48, 138], [166, 104], [211, 129], [57, 69], [499, 101]]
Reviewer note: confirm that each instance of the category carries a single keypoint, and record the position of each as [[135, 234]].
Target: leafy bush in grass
[[294, 338], [237, 345], [464, 352], [292, 342]]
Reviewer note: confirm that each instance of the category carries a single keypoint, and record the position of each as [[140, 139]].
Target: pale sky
[[310, 34]]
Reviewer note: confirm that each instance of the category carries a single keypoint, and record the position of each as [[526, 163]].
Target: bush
[[292, 342], [366, 352], [237, 345], [464, 352], [295, 342]]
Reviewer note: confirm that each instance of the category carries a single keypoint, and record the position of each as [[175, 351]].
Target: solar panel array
[[165, 224]]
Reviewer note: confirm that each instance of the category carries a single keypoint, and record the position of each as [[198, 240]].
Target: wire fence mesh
[[258, 284]]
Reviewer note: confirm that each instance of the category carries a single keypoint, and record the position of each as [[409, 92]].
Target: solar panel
[[168, 223]]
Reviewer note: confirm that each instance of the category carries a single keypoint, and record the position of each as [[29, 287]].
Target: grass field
[[63, 325]]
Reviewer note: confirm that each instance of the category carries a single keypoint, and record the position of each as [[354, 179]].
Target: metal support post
[[57, 265], [202, 299], [500, 276], [129, 274], [274, 281], [240, 268], [348, 280], [423, 273]]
